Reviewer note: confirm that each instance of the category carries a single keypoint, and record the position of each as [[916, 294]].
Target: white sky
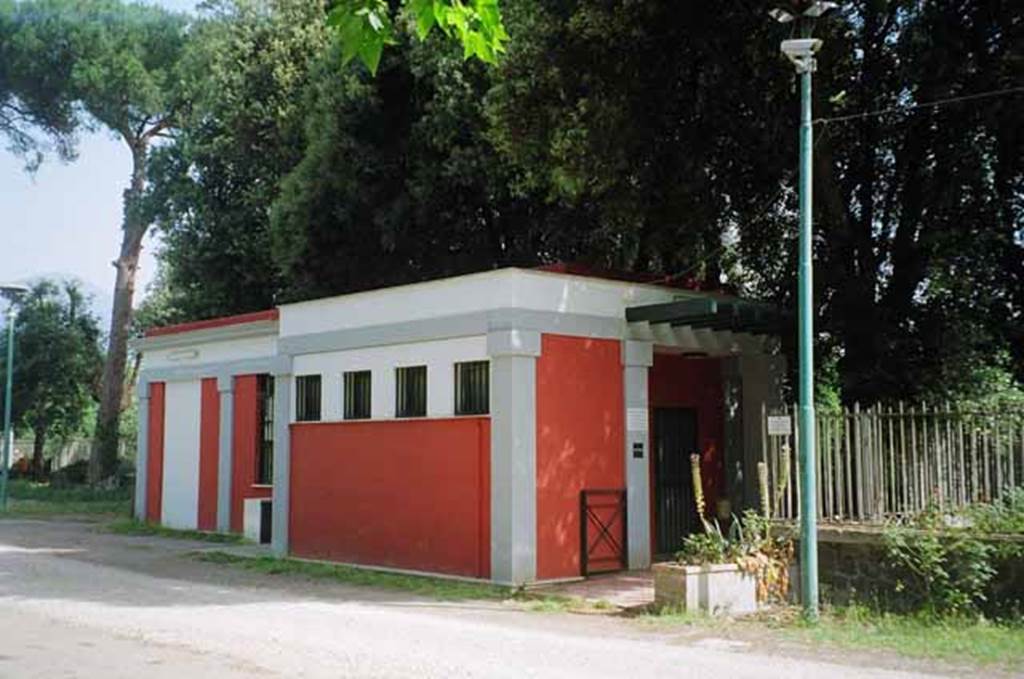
[[66, 219]]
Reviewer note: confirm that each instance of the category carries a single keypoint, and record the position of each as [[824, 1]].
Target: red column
[[209, 433], [155, 456]]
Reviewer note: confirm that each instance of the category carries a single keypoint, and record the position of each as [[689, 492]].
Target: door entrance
[[675, 439]]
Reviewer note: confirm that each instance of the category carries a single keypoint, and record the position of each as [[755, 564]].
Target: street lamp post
[[801, 53], [12, 292]]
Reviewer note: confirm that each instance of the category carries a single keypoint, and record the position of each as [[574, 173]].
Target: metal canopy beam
[[709, 314], [668, 312]]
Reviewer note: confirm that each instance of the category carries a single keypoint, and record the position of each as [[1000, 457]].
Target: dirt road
[[78, 602]]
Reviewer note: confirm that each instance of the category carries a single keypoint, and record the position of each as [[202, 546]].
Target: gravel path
[[77, 602]]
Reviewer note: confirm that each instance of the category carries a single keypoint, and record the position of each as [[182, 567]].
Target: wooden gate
[[603, 539]]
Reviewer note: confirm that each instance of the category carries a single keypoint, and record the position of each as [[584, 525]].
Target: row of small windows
[[472, 392]]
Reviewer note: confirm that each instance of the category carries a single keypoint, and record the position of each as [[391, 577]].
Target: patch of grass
[[27, 499], [965, 640], [674, 616], [436, 588], [134, 527]]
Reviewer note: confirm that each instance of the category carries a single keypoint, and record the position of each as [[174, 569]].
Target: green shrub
[[1005, 515], [945, 572]]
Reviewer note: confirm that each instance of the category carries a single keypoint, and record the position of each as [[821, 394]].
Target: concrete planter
[[718, 589]]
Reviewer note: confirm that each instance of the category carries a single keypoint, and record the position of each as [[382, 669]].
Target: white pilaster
[[513, 355], [225, 451], [142, 452], [637, 358], [282, 461]]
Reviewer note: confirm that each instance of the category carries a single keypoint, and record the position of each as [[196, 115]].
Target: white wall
[[238, 349], [504, 288], [180, 502], [439, 356]]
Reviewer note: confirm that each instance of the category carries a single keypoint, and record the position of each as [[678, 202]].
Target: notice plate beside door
[[780, 425]]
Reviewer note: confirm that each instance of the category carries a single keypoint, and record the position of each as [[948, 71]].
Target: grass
[[677, 617], [27, 499], [919, 636], [135, 527], [436, 588], [857, 627], [443, 589]]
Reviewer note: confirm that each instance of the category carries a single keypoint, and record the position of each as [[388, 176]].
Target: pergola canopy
[[707, 326]]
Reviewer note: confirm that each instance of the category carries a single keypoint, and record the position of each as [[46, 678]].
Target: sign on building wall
[[636, 419]]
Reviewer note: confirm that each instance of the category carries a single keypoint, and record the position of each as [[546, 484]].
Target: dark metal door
[[603, 538], [675, 439]]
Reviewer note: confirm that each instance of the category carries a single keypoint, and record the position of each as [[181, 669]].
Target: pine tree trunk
[[103, 458]]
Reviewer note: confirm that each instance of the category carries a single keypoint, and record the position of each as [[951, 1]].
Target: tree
[[660, 137], [364, 27], [122, 74], [635, 112], [213, 185], [35, 93], [56, 374]]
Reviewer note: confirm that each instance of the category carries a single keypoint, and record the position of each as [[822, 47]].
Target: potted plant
[[730, 571]]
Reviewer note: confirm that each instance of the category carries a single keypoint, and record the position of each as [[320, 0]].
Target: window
[[265, 433], [411, 391], [472, 388], [307, 398], [357, 395]]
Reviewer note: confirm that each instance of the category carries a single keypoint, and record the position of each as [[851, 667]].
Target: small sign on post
[[780, 425]]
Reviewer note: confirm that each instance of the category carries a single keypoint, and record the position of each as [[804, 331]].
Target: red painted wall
[[409, 494], [243, 454], [687, 382], [155, 456], [579, 441], [209, 431]]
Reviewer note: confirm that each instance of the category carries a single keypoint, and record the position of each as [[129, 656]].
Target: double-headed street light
[[13, 293], [800, 51]]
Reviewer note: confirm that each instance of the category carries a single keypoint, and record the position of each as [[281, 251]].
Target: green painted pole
[[8, 432], [808, 468]]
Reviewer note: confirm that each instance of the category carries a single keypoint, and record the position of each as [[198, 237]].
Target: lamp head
[[801, 52], [13, 291]]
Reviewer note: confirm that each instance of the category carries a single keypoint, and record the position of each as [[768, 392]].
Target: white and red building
[[513, 425]]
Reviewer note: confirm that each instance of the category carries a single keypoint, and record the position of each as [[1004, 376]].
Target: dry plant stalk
[[782, 483], [698, 486], [762, 482]]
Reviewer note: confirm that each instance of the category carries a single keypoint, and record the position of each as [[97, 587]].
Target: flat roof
[[220, 322]]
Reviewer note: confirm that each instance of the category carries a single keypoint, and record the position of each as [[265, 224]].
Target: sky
[[65, 220]]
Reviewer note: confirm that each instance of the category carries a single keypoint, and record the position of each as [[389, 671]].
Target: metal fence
[[887, 462]]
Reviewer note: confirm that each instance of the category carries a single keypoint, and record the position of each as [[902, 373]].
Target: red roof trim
[[254, 317]]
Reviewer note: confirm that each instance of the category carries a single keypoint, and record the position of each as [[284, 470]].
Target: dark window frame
[[473, 388], [411, 391], [308, 401], [265, 431], [357, 394]]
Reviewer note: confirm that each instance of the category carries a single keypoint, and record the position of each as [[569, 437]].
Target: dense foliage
[[962, 564], [57, 364], [651, 136], [657, 137]]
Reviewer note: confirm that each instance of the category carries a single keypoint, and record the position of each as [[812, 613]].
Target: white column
[[282, 461], [225, 451], [513, 356], [637, 358], [142, 451]]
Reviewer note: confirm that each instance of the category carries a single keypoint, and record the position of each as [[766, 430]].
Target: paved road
[[77, 602]]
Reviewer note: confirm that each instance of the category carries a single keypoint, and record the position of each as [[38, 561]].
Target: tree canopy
[[57, 364], [656, 137]]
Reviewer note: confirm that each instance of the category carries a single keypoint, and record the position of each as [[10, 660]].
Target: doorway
[[675, 439]]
